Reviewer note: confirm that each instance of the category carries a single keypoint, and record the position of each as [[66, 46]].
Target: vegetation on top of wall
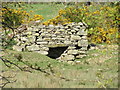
[[103, 21]]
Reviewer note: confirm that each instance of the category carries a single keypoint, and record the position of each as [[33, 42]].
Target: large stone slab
[[42, 42], [67, 42], [73, 52], [80, 56], [42, 52], [75, 37]]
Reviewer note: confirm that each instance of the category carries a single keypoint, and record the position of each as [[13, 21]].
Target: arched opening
[[55, 52]]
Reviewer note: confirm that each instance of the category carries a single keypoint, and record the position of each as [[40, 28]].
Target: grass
[[50, 10], [86, 74], [83, 75], [47, 10]]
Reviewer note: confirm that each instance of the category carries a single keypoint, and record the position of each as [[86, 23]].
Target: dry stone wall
[[63, 42]]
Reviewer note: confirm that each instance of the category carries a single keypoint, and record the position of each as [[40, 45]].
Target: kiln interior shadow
[[56, 52]]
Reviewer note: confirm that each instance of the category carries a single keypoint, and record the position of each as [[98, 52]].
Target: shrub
[[11, 20], [102, 20], [16, 17], [7, 43], [13, 17]]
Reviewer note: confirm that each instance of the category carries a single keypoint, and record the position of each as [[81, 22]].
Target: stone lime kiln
[[63, 42]]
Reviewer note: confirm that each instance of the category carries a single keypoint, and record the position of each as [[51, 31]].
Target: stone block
[[73, 31], [51, 26], [84, 37], [80, 23], [56, 45], [32, 48], [84, 48], [42, 34], [29, 33], [73, 52], [42, 52], [67, 42], [24, 39], [71, 62], [55, 38], [57, 32], [70, 33], [82, 52], [74, 37], [36, 34], [71, 47], [44, 48], [47, 39], [49, 30], [48, 35], [41, 26], [66, 27], [80, 56], [31, 39], [39, 39], [58, 27], [78, 27], [42, 30], [29, 28], [53, 35], [35, 29], [42, 42], [66, 37], [51, 43], [62, 30]]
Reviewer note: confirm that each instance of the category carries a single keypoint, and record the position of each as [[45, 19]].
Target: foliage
[[56, 20], [13, 16], [16, 17], [103, 21], [7, 43], [7, 39]]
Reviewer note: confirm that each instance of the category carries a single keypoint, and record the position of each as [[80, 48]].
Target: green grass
[[48, 11], [83, 75]]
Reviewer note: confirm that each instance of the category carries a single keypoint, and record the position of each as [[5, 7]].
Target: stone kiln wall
[[63, 42]]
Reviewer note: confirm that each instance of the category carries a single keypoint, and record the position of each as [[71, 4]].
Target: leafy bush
[[16, 17], [12, 18], [7, 43], [103, 20], [56, 20]]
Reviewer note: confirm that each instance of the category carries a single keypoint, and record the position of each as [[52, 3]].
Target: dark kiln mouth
[[55, 52]]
